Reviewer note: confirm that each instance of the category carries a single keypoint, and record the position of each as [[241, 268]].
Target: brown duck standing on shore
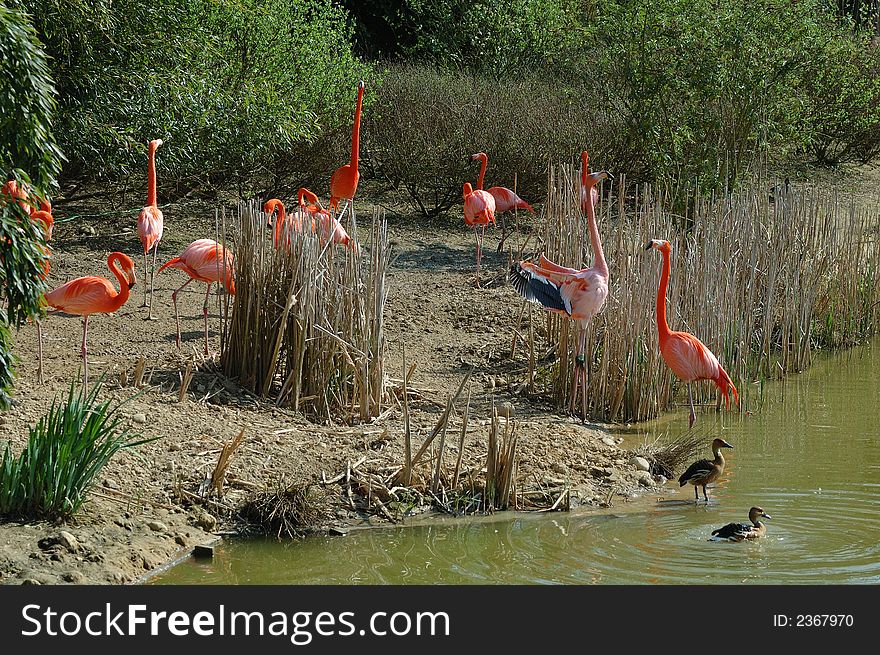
[[703, 472], [742, 531]]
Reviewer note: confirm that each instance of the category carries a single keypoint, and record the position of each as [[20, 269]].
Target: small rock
[[640, 463], [30, 581], [74, 577], [174, 447], [2, 420], [559, 467], [139, 418], [645, 479], [206, 522], [110, 483], [69, 541], [597, 472], [505, 409], [157, 526], [180, 540]]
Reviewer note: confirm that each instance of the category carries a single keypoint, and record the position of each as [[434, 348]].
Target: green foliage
[[28, 153], [26, 103], [842, 101], [64, 454], [230, 86]]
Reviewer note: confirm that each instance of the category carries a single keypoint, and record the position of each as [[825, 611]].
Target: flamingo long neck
[[151, 177], [484, 162], [113, 263], [356, 130], [584, 169], [598, 256], [662, 324]]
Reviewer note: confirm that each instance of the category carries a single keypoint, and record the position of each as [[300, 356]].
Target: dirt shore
[[148, 506]]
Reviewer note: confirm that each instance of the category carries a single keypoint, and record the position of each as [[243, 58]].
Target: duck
[[743, 531], [703, 472]]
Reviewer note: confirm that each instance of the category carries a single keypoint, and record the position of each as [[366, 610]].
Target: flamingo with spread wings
[[94, 295], [578, 294], [687, 356]]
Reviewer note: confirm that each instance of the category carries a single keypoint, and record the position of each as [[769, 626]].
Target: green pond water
[[809, 455]]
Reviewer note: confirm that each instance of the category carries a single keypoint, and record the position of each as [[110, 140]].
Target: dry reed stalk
[[440, 451], [139, 368], [223, 462], [185, 381], [464, 427], [763, 285], [407, 431], [307, 323], [500, 465]]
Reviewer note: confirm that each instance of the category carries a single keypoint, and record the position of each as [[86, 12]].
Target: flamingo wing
[[543, 262], [479, 208], [550, 289], [506, 200], [150, 226], [84, 295], [689, 358]]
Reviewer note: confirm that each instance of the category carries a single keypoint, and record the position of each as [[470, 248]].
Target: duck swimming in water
[[743, 531], [704, 471]]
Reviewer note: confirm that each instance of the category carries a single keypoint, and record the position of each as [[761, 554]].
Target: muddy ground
[[149, 505]]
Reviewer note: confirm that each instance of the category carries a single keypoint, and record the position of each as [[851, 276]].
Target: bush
[[231, 87], [28, 153], [426, 123], [65, 453]]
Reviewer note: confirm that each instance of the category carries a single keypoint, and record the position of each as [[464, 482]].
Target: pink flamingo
[[579, 294], [310, 215], [687, 356], [94, 295], [344, 181], [150, 223], [505, 199], [207, 261], [479, 210]]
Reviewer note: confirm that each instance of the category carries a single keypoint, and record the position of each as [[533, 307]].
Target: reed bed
[[764, 284], [306, 325]]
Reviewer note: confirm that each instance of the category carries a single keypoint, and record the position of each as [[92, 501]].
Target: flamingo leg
[[176, 313], [150, 316], [40, 351], [503, 233], [583, 346], [145, 286], [477, 239], [696, 494], [693, 415], [85, 357], [205, 313], [705, 497]]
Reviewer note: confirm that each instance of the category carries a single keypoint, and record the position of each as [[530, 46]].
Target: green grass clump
[[65, 451]]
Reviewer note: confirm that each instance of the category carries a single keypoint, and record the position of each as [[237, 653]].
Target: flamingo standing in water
[[344, 181], [579, 294], [310, 215], [687, 356], [207, 261], [505, 199], [94, 295], [479, 211], [150, 223]]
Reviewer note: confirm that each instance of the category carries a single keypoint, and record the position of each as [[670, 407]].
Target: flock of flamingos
[[576, 293]]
